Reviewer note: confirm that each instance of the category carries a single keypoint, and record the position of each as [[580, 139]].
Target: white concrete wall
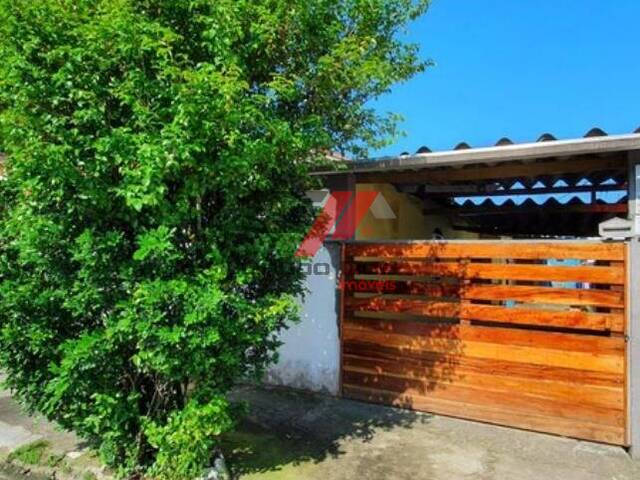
[[310, 355]]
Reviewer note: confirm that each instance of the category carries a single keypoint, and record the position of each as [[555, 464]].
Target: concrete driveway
[[295, 436], [291, 435], [18, 429]]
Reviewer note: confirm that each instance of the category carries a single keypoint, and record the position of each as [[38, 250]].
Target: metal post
[[633, 350]]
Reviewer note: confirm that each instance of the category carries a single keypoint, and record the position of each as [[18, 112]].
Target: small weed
[[31, 453], [54, 460], [89, 476]]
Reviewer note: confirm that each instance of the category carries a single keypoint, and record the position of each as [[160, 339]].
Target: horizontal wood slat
[[520, 293], [442, 367], [480, 330], [546, 295], [614, 275], [605, 345], [491, 313], [569, 408], [589, 394], [511, 353], [559, 377], [549, 423], [513, 250]]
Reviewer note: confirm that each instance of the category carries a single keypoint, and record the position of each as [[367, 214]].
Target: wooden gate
[[524, 334]]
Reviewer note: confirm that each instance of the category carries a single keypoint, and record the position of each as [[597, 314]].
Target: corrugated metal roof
[[551, 201], [595, 141], [504, 141]]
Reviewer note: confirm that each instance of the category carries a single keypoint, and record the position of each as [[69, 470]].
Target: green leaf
[[158, 155]]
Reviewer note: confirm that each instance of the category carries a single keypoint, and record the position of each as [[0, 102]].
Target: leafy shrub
[[186, 441], [158, 152]]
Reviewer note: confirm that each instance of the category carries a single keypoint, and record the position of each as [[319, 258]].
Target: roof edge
[[496, 154]]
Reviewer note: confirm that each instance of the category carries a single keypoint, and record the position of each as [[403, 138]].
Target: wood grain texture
[[496, 414], [612, 275], [518, 293], [497, 335], [513, 250], [546, 295], [442, 366], [491, 331], [529, 380], [533, 354], [598, 395], [491, 394], [491, 313]]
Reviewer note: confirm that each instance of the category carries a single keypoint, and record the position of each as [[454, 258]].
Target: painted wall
[[410, 223], [310, 355]]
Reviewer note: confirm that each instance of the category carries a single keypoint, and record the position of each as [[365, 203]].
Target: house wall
[[410, 223], [309, 358]]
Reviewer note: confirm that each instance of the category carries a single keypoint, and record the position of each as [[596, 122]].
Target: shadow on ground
[[288, 428]]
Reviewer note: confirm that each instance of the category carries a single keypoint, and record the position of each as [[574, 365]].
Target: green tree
[[157, 156]]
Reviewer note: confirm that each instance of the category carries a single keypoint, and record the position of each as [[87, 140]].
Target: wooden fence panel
[[524, 334]]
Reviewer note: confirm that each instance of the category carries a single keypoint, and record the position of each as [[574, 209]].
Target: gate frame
[[633, 307], [629, 374]]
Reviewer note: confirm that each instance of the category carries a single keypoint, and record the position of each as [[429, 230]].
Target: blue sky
[[519, 68]]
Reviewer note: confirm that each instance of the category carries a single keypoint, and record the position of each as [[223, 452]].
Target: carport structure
[[524, 309]]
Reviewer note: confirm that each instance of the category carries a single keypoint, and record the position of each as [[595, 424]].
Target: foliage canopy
[[158, 152]]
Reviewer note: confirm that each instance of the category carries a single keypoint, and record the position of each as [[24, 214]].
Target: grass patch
[[30, 454], [253, 452]]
